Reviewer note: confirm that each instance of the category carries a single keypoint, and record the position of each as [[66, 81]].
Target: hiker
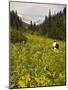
[[55, 45]]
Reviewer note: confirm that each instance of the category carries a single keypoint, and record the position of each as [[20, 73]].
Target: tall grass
[[35, 63]]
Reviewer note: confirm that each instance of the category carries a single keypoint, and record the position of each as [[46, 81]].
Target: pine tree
[[49, 14]]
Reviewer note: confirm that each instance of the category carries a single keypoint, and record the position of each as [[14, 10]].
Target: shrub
[[16, 36]]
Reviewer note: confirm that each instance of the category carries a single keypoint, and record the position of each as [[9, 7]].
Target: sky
[[34, 12]]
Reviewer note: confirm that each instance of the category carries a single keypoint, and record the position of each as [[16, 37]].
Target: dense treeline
[[53, 26], [15, 21], [16, 24]]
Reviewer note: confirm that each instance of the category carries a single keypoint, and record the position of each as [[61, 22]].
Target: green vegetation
[[15, 21], [54, 26], [17, 36], [33, 61]]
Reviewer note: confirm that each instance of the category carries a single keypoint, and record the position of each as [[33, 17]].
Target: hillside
[[35, 63], [33, 60], [53, 26]]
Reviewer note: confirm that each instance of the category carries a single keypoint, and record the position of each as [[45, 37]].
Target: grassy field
[[35, 63]]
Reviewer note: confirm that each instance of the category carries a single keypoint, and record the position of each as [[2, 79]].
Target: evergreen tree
[[64, 11], [49, 14], [54, 25], [15, 21]]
